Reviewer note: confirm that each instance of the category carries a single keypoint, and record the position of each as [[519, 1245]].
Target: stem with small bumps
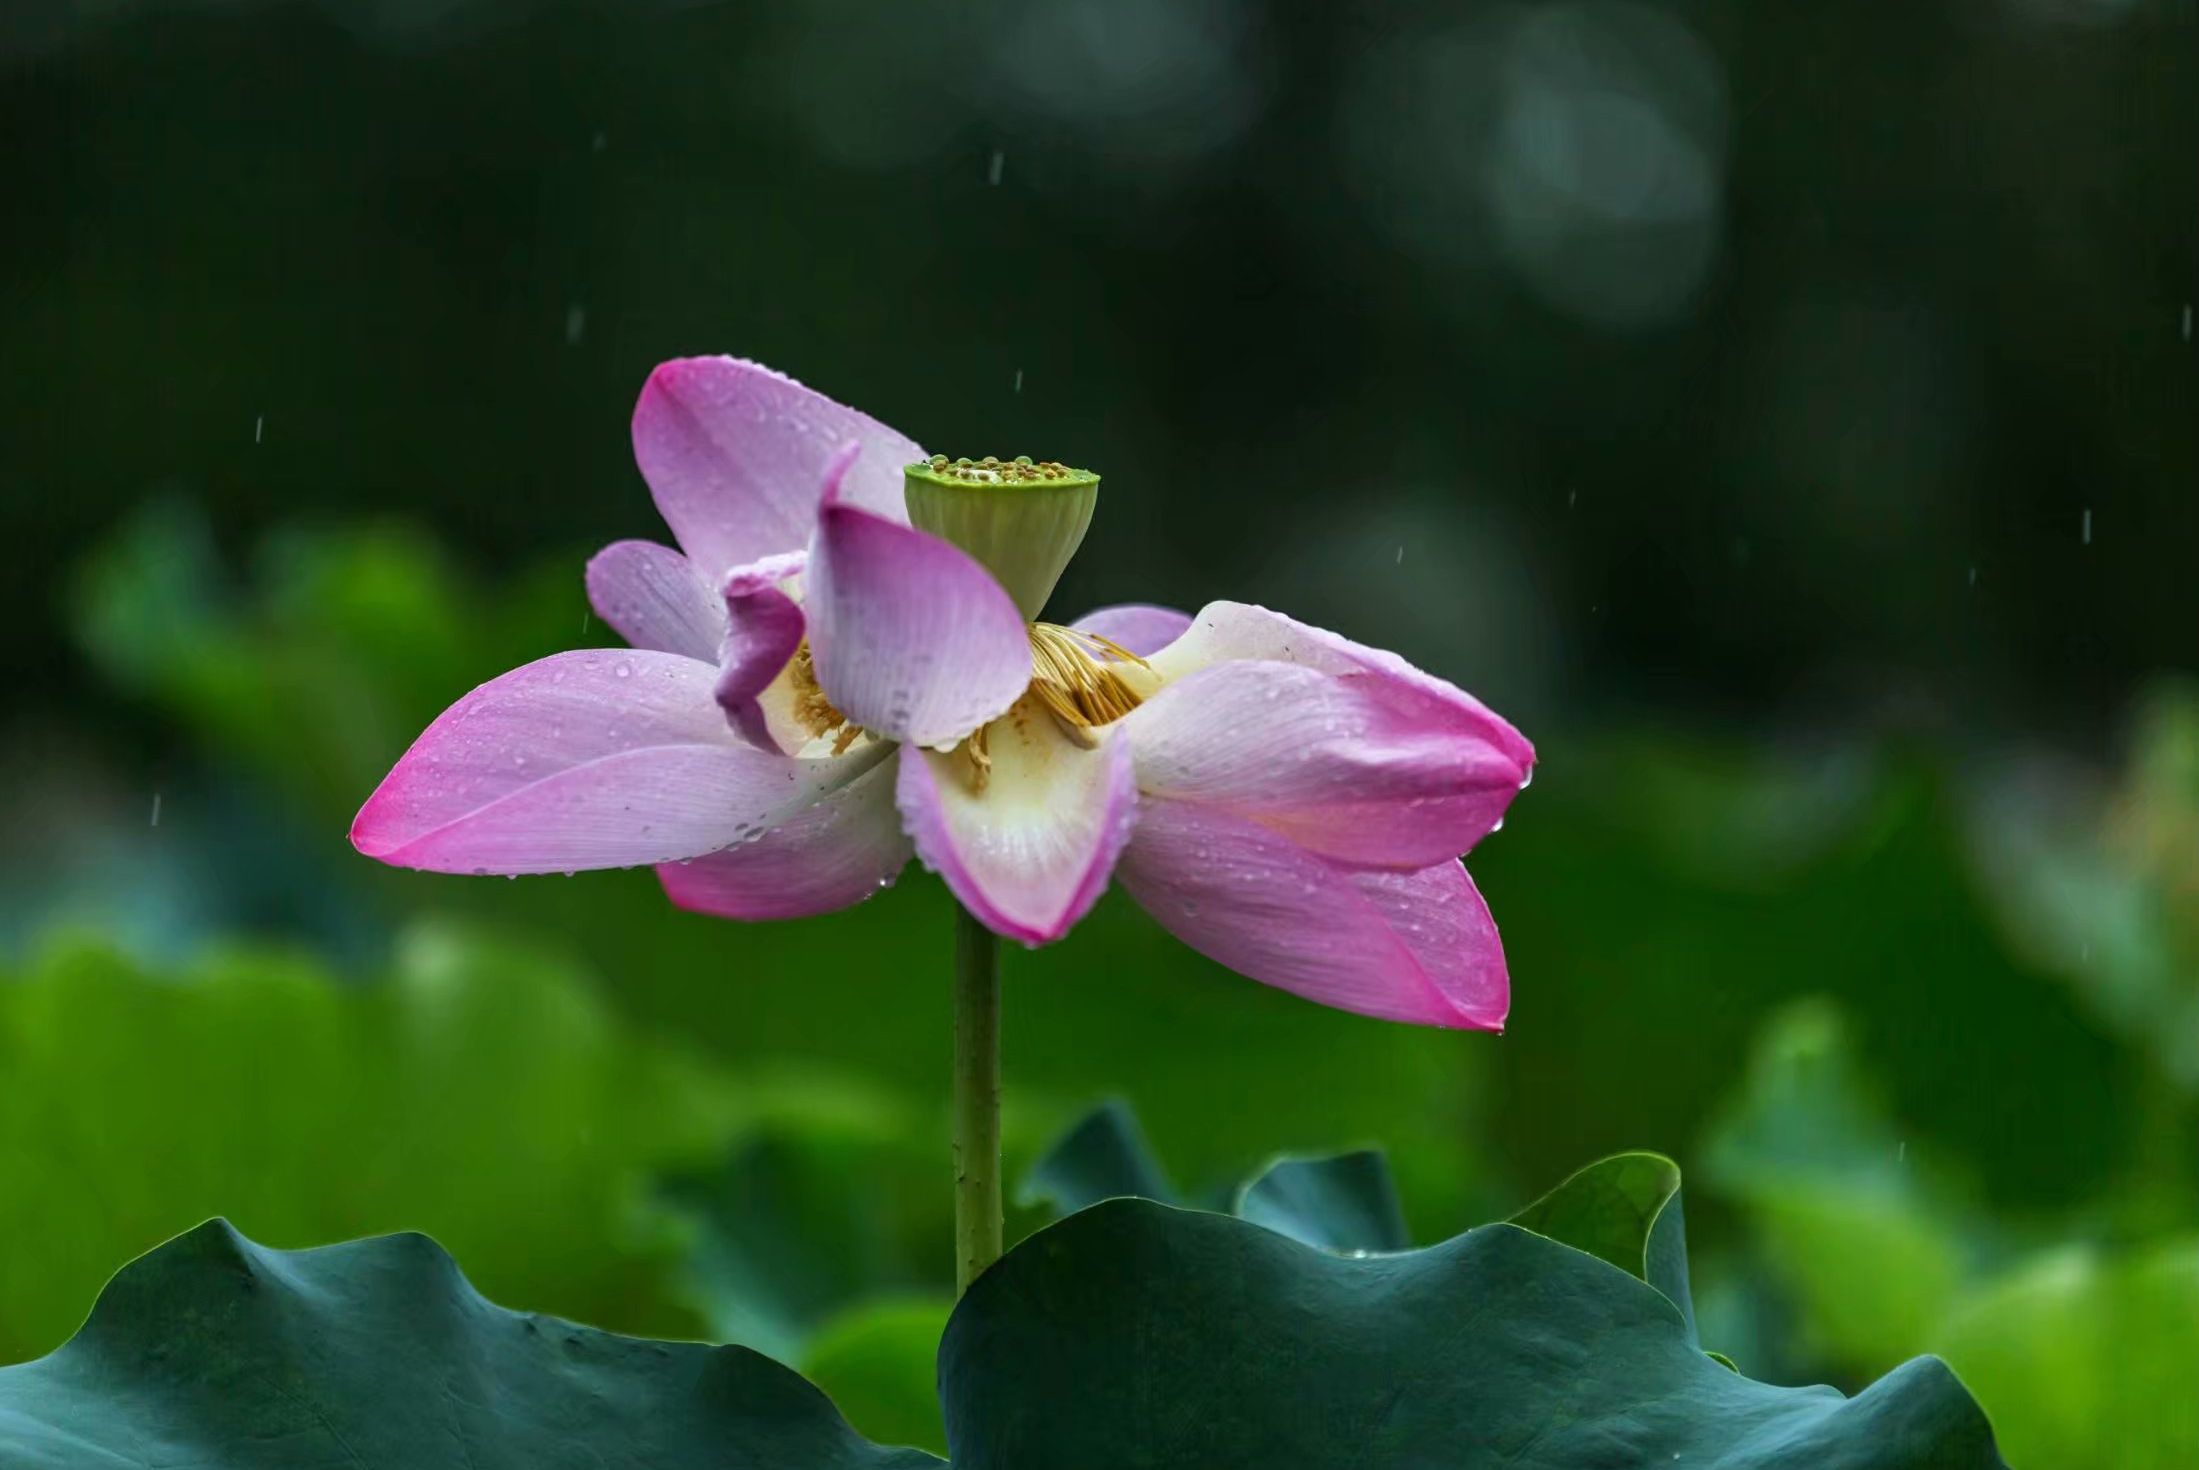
[[977, 1231]]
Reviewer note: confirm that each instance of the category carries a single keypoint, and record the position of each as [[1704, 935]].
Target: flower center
[[1084, 680], [1022, 519], [812, 710]]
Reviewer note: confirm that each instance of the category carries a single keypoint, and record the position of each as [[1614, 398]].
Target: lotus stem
[[977, 1230]]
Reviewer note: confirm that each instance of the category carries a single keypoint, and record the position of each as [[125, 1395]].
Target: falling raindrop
[[2088, 525], [576, 324], [1019, 380], [993, 169], [155, 822], [259, 424]]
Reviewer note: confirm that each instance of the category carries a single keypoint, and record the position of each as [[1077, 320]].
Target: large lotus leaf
[[1342, 1202], [2089, 1361], [1138, 1334], [377, 1355], [480, 1091], [1625, 1210]]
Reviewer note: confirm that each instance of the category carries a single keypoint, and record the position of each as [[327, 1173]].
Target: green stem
[[976, 1098]]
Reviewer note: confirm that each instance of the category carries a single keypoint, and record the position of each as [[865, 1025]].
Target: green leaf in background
[[808, 1215], [1103, 1155], [2086, 1359], [378, 1355], [1133, 1333], [371, 633], [480, 1091], [1846, 1215], [1625, 1210], [1344, 1202], [2089, 1362], [878, 1363]]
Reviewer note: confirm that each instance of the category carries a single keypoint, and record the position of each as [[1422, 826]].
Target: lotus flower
[[818, 689]]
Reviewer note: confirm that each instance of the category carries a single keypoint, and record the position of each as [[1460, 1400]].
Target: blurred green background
[[1786, 414]]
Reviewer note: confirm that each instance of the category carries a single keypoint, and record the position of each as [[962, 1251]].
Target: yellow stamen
[[812, 710], [981, 758], [1079, 688]]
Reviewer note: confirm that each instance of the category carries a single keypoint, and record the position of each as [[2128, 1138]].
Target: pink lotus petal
[[1443, 920], [1235, 630], [1030, 852], [913, 639], [829, 856], [595, 759], [735, 455], [1140, 627], [1331, 761], [653, 598], [763, 628], [1415, 947]]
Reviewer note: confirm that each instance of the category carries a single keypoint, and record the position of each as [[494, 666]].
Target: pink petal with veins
[[913, 640], [736, 453], [830, 856], [1140, 627], [1029, 852], [596, 759], [1416, 947], [1337, 763], [652, 597]]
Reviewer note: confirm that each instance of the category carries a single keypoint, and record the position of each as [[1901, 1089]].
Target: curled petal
[[763, 628], [736, 454], [653, 598], [913, 640], [1416, 947], [1029, 849], [1222, 631], [828, 856], [598, 759], [1330, 761], [1140, 627]]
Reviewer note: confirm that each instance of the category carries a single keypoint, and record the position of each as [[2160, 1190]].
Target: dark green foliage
[[1130, 1333], [1625, 1210], [214, 1351], [1137, 1334], [1345, 1202]]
